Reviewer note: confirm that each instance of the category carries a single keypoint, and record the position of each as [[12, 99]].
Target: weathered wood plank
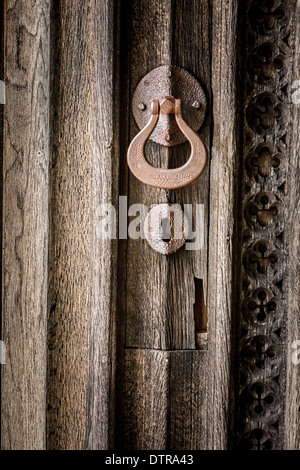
[[164, 394], [160, 312], [146, 391], [223, 178], [25, 237], [188, 421], [160, 291], [292, 398], [191, 50], [84, 170], [147, 271], [105, 177]]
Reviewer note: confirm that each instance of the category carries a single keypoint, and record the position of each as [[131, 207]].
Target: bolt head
[[142, 106], [167, 106], [196, 104]]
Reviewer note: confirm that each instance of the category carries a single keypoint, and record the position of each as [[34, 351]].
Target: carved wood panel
[[268, 46]]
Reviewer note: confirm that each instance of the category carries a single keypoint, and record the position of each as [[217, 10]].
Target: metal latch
[[153, 98]]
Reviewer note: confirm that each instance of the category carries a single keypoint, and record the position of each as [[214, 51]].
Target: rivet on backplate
[[142, 106], [196, 104]]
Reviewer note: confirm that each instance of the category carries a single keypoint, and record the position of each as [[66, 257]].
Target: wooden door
[[109, 344]]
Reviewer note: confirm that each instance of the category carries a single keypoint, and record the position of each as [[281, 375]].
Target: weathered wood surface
[[146, 387], [160, 291], [84, 166], [188, 420], [160, 312], [292, 398], [223, 181], [124, 323], [25, 236], [165, 394], [267, 201]]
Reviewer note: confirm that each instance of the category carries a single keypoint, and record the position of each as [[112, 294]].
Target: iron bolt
[[167, 105]]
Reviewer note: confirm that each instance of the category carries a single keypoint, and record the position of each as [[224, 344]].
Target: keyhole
[[165, 225]]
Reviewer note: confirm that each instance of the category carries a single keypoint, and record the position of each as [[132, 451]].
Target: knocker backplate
[[169, 81]]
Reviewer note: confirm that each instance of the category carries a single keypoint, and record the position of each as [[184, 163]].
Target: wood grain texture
[[160, 313], [146, 389], [159, 292], [83, 171], [188, 421], [191, 50], [265, 309], [142, 417], [105, 176], [25, 237], [146, 302], [221, 229], [292, 398], [124, 371], [165, 400]]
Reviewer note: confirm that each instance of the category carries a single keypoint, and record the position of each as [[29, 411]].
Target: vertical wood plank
[[160, 291], [292, 398], [25, 238], [104, 180], [187, 401], [191, 49], [146, 302], [147, 398], [145, 298], [165, 398], [221, 236], [160, 313], [84, 169]]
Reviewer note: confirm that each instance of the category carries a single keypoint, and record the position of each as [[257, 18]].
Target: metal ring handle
[[163, 177]]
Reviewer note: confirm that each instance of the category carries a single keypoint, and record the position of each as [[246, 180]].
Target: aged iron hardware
[[161, 177], [177, 230], [169, 80], [159, 116]]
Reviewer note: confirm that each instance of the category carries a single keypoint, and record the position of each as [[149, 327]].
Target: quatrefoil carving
[[260, 257], [259, 351], [263, 210], [257, 439], [266, 63], [264, 160], [261, 401], [268, 16], [260, 306], [266, 112]]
